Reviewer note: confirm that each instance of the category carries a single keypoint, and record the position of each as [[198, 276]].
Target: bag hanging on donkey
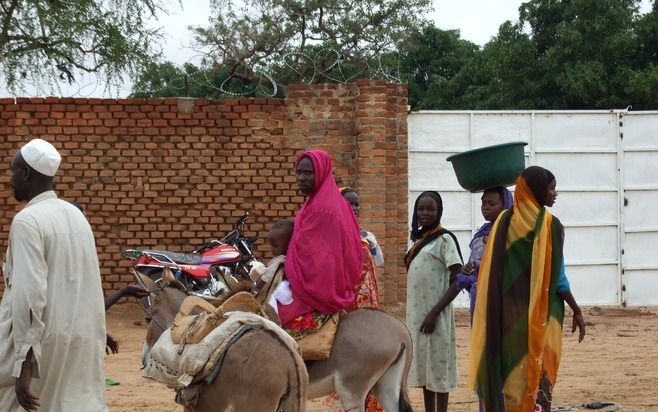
[[318, 345]]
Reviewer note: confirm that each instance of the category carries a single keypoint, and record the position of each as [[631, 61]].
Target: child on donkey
[[273, 287], [267, 278]]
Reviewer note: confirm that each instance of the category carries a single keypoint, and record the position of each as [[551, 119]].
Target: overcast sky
[[477, 20]]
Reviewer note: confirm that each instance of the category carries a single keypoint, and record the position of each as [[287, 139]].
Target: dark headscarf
[[418, 232], [346, 189], [517, 324], [421, 236], [538, 180]]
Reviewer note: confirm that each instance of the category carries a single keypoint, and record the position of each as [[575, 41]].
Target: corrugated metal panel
[[583, 150], [640, 220]]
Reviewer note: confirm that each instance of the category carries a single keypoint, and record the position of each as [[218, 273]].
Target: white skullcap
[[41, 156]]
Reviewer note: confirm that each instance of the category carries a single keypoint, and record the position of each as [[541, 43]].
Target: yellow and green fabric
[[517, 324]]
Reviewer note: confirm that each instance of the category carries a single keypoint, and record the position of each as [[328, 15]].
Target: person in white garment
[[52, 318]]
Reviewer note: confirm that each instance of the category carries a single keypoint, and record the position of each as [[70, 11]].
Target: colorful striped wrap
[[517, 325]]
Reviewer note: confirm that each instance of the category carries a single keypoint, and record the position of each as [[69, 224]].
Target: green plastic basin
[[485, 167]]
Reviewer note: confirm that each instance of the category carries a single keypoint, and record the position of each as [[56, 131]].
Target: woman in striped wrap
[[517, 325]]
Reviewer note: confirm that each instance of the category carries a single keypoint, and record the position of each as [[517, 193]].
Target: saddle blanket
[[179, 365]]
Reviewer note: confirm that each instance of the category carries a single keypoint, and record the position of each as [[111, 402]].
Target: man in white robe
[[52, 319]]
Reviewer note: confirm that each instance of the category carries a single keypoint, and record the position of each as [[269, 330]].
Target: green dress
[[434, 364]]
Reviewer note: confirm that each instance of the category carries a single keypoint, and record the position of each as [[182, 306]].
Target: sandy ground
[[616, 363]]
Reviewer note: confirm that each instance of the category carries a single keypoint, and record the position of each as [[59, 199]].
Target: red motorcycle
[[209, 271]]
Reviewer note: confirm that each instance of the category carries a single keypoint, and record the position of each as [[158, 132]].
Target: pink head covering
[[323, 263]]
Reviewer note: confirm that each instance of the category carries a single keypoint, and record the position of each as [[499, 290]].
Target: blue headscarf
[[466, 281]]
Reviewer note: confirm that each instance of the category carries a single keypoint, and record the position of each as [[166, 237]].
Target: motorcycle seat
[[183, 258]]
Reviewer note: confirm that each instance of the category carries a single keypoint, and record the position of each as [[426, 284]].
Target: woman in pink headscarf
[[323, 263]]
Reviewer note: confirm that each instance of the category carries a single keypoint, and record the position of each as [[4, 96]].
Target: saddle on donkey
[[196, 317], [193, 348]]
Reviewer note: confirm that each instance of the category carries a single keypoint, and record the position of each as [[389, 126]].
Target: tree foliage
[[559, 54], [306, 40], [568, 54], [170, 80], [585, 49], [429, 60], [49, 41]]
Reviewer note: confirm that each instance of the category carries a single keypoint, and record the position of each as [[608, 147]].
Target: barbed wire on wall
[[338, 59], [331, 66], [300, 67], [258, 89], [295, 67]]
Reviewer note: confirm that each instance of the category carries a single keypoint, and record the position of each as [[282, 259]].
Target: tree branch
[[9, 13]]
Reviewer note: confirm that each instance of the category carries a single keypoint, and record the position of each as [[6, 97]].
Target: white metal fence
[[606, 165]]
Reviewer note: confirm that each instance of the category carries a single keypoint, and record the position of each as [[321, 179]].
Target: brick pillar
[[397, 184], [382, 176]]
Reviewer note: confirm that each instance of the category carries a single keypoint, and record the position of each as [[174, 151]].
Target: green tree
[[430, 59], [168, 79], [585, 49], [307, 41], [643, 88], [505, 77], [568, 54], [646, 30], [161, 80], [643, 82], [48, 41]]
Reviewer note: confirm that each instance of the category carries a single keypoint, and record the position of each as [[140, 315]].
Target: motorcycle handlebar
[[242, 220]]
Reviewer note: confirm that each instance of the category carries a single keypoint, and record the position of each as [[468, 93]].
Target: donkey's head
[[164, 302]]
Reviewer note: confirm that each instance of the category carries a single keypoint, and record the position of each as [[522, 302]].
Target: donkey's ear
[[168, 277], [144, 280], [169, 280]]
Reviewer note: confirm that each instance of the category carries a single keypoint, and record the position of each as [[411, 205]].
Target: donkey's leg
[[254, 376], [389, 387], [352, 395]]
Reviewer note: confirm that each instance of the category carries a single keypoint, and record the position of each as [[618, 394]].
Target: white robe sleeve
[[29, 290], [375, 250]]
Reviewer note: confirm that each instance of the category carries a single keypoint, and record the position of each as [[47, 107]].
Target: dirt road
[[616, 363]]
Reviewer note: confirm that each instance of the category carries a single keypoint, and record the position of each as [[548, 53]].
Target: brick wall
[[173, 173]]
